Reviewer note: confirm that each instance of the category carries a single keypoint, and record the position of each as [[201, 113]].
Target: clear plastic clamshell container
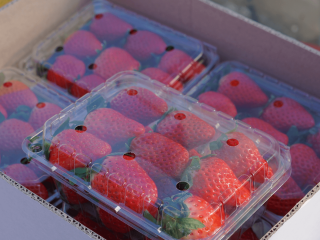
[[25, 105], [92, 47], [169, 167]]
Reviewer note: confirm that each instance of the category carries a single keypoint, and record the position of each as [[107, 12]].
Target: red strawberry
[[42, 112], [186, 128], [3, 112], [15, 93], [285, 112], [72, 149], [13, 132], [23, 175], [109, 27], [143, 44], [176, 62], [242, 90], [305, 165], [314, 140], [112, 222], [165, 78], [65, 70], [122, 180], [71, 196], [161, 152], [243, 157], [187, 216], [139, 104], [85, 85], [82, 44], [285, 198], [267, 128], [111, 126], [249, 235], [194, 152], [218, 101]]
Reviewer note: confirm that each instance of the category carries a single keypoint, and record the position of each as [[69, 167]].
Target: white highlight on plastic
[[89, 187], [159, 230], [117, 209], [53, 168]]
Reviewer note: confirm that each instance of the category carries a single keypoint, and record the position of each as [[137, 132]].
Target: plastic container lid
[[161, 162]]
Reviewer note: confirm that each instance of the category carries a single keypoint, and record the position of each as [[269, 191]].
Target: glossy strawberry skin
[[13, 132], [163, 153], [186, 128], [285, 198], [285, 112], [242, 90], [42, 112], [72, 149], [82, 44], [139, 104], [142, 44], [112, 127], [71, 196], [305, 166], [85, 85], [114, 60], [112, 222], [27, 178], [314, 140], [109, 27], [65, 70], [249, 235], [244, 158], [267, 128], [219, 102]]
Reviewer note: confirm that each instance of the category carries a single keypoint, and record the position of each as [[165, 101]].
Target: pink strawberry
[[186, 128], [23, 175], [176, 62], [161, 152], [3, 112], [143, 44], [218, 101], [109, 27], [242, 90], [165, 78], [314, 140], [285, 198], [72, 149], [114, 60], [139, 104], [267, 128], [15, 93], [71, 196], [249, 235], [305, 165], [112, 222], [285, 112], [243, 157], [42, 112], [82, 44], [65, 70], [111, 126], [13, 132], [85, 85]]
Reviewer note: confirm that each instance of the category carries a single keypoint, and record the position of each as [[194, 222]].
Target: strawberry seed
[[232, 142]]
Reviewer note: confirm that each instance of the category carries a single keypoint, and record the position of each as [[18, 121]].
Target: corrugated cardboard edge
[[291, 213], [52, 208]]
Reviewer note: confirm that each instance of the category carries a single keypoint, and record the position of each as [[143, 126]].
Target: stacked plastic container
[[92, 47]]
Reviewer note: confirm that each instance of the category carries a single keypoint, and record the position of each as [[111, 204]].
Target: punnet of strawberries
[[147, 152]]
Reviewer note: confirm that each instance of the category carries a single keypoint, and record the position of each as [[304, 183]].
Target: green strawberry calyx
[[154, 127], [216, 145]]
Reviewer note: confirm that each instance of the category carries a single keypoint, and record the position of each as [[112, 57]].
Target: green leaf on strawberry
[[148, 216], [47, 150], [194, 165], [154, 127], [216, 145], [95, 102], [22, 113]]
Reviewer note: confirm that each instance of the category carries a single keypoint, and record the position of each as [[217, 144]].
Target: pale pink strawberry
[[42, 112], [109, 27], [85, 85], [114, 60], [285, 112], [242, 90], [3, 112], [218, 101], [82, 44]]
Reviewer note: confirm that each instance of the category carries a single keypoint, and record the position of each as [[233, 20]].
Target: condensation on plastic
[[275, 154]]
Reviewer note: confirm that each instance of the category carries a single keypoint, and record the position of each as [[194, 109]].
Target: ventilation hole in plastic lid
[[169, 48], [129, 156], [25, 161], [92, 66], [234, 83], [36, 148], [99, 16], [41, 105], [80, 128], [232, 142], [133, 31], [132, 92], [7, 84], [278, 103], [180, 116], [182, 186], [59, 49]]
